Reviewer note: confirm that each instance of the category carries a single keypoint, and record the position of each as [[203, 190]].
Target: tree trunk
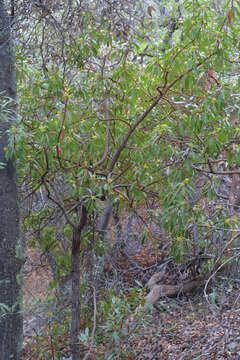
[[76, 275], [75, 321], [10, 244]]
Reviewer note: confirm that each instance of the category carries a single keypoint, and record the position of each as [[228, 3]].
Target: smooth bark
[[76, 276]]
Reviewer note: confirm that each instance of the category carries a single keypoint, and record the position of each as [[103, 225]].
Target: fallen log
[[160, 291]]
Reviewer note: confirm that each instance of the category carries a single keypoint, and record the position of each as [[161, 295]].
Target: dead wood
[[160, 291], [156, 278]]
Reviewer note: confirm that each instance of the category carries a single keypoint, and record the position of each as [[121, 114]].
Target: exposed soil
[[181, 329], [191, 330]]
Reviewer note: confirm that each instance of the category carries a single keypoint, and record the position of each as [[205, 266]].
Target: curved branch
[[162, 93], [106, 137], [130, 132]]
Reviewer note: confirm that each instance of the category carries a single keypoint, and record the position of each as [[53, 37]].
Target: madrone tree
[[134, 113]]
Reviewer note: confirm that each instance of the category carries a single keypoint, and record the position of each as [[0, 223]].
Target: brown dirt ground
[[182, 329]]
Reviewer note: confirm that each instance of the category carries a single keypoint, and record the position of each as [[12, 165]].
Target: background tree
[[10, 244]]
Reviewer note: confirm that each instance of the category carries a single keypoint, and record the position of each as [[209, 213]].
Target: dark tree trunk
[[75, 322], [10, 244], [76, 275]]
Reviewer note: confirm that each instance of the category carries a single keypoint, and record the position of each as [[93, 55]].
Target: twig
[[104, 157], [57, 202], [230, 172], [94, 323], [215, 272]]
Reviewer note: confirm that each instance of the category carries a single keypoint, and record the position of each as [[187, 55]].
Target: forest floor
[[186, 328], [190, 329]]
